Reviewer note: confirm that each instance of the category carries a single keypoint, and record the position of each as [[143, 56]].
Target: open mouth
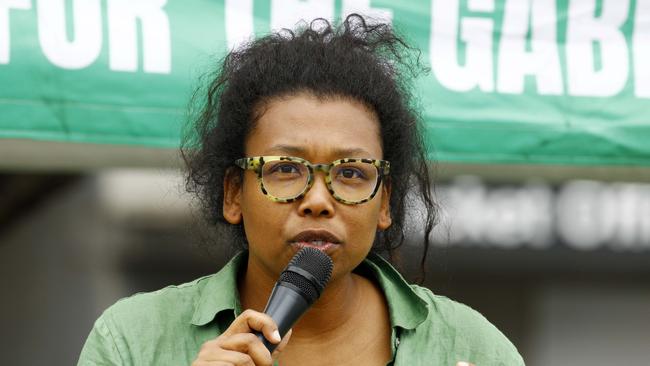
[[318, 244], [326, 247], [319, 239]]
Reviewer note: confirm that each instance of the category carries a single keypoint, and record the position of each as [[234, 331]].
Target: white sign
[[584, 215], [84, 47]]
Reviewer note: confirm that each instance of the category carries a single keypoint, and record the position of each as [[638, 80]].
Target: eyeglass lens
[[354, 181]]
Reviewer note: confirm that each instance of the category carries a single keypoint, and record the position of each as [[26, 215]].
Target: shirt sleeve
[[100, 348]]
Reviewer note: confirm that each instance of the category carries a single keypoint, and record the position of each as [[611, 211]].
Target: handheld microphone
[[299, 286]]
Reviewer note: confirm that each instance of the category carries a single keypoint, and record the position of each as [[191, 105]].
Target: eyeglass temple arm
[[241, 163]]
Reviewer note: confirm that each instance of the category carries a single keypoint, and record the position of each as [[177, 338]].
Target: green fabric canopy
[[540, 81]]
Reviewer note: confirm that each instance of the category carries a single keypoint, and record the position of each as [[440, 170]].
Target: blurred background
[[537, 114]]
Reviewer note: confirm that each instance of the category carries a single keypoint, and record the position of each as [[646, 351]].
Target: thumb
[[282, 344]]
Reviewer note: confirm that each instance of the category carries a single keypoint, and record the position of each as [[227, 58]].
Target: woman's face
[[320, 131]]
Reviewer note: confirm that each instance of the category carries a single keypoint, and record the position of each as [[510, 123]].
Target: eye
[[285, 168], [351, 173]]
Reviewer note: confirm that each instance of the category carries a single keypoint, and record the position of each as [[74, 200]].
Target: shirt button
[[396, 342]]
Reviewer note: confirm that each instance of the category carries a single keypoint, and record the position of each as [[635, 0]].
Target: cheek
[[261, 216], [363, 224]]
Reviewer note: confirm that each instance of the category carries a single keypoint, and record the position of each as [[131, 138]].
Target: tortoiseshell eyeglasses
[[287, 179]]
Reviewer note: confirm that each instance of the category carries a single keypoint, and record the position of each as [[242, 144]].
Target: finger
[[282, 344], [248, 343], [236, 358], [251, 320], [227, 357]]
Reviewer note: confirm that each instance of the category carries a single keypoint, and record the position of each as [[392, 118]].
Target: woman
[[306, 139]]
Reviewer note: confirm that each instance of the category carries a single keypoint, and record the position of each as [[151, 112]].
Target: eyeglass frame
[[255, 163]]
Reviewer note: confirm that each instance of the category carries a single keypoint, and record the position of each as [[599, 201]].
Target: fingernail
[[276, 336]]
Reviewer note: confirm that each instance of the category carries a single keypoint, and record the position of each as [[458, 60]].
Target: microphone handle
[[286, 305]]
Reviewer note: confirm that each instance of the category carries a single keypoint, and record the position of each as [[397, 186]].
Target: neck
[[340, 301]]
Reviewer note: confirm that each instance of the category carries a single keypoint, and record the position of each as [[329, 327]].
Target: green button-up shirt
[[168, 326]]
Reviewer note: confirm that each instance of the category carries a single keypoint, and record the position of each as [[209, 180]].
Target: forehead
[[315, 128]]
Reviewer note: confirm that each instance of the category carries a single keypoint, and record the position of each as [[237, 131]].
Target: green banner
[[511, 81]]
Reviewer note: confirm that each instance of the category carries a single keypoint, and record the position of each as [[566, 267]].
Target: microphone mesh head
[[307, 288], [317, 263]]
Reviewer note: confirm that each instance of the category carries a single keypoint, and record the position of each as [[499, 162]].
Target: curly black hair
[[364, 61]]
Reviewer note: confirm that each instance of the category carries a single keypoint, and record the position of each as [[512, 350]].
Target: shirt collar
[[220, 292], [407, 308]]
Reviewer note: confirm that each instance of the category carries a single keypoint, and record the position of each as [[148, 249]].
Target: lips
[[319, 239]]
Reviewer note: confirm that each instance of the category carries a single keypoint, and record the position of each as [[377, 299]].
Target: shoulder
[[152, 315], [176, 301], [464, 320], [467, 331], [129, 331]]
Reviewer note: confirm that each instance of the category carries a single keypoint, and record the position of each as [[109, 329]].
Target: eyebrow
[[297, 150]]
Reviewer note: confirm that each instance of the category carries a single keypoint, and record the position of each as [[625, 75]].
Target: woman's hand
[[238, 345]]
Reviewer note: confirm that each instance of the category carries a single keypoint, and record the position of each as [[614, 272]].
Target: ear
[[232, 192], [384, 220]]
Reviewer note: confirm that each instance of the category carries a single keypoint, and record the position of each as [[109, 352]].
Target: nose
[[318, 201]]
